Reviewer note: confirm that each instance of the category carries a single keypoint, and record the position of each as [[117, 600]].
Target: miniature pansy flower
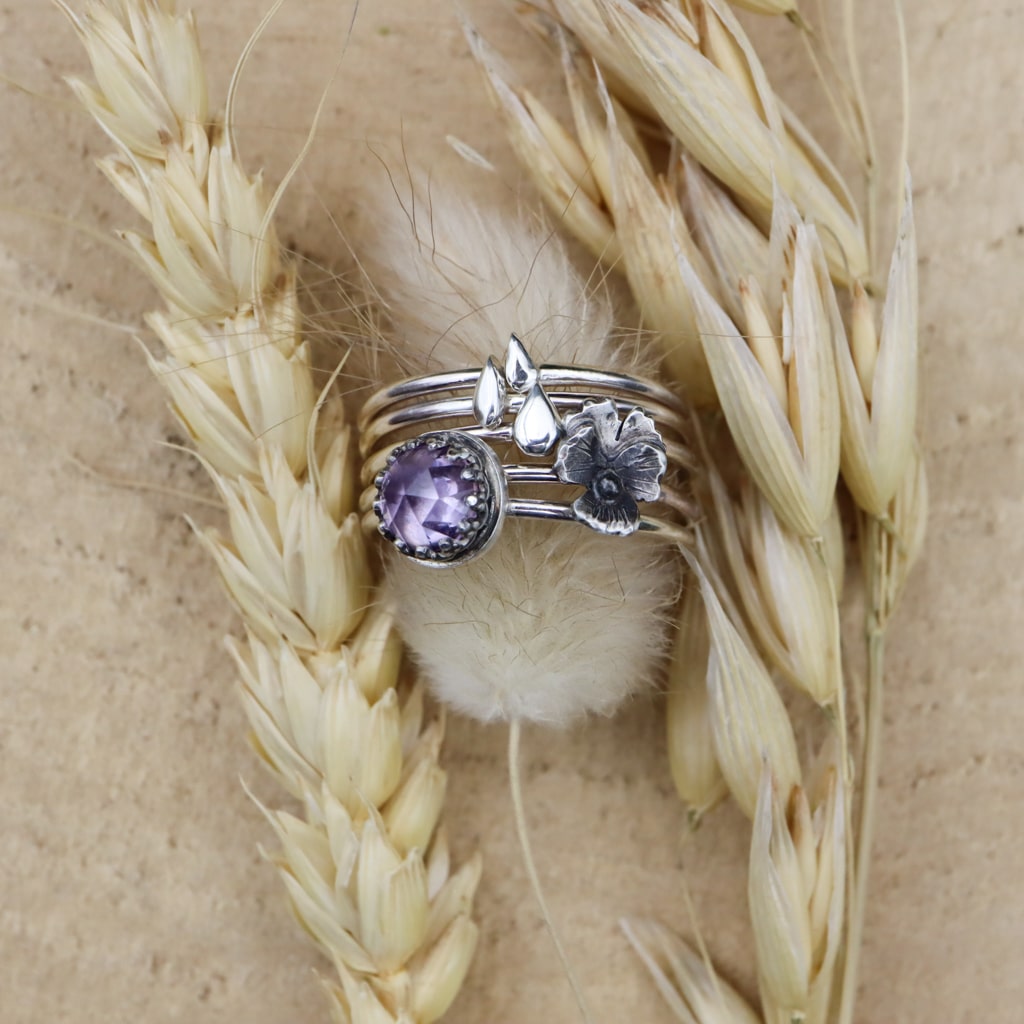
[[618, 462]]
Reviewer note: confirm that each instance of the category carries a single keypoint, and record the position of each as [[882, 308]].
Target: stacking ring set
[[448, 457]]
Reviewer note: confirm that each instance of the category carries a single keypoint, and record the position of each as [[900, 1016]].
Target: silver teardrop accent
[[520, 371], [489, 396], [537, 428]]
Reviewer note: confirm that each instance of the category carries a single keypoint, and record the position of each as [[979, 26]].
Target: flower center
[[607, 487]]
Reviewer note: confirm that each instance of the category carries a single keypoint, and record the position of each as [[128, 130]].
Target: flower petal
[[577, 455], [605, 418], [637, 426], [640, 467], [621, 517]]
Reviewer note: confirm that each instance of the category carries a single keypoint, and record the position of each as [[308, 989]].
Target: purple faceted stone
[[424, 497]]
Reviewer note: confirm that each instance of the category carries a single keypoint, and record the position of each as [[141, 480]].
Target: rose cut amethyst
[[430, 498]]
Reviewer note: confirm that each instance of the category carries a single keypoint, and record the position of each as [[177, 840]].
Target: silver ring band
[[595, 382], [678, 454], [390, 422], [441, 495]]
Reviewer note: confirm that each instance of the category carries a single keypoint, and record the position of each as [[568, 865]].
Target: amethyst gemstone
[[426, 498]]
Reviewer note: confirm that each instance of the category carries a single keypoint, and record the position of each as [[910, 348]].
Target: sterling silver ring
[[442, 494]]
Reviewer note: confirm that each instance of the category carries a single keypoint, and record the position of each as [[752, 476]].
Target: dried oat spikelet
[[586, 22], [366, 866], [689, 985], [701, 76], [691, 750], [786, 7], [749, 723], [559, 166], [787, 586], [734, 248], [773, 225], [796, 893], [878, 374], [603, 186], [604, 192], [898, 543], [653, 234], [776, 380]]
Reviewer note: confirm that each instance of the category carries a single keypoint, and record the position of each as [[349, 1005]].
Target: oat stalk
[[736, 246], [891, 545], [334, 715]]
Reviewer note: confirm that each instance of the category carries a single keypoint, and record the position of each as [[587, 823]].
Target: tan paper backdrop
[[131, 888]]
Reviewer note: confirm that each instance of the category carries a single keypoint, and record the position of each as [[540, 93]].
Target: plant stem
[[875, 626], [514, 731]]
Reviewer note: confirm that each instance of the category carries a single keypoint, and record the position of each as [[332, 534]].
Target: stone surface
[[424, 496], [132, 888]]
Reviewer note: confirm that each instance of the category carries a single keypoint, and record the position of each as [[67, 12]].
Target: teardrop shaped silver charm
[[520, 371], [489, 396], [537, 428]]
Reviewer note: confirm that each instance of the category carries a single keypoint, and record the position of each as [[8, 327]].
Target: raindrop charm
[[489, 396], [537, 428], [520, 371]]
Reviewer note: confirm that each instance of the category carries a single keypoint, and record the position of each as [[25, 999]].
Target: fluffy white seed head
[[551, 623], [555, 620]]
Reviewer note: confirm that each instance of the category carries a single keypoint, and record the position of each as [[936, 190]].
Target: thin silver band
[[389, 422], [679, 455], [558, 511], [597, 382], [526, 507]]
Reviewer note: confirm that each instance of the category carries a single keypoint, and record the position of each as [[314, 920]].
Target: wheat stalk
[[734, 249], [366, 863]]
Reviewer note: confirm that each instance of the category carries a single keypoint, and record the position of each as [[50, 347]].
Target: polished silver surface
[[671, 501], [590, 383], [537, 427], [555, 511], [489, 396], [462, 408], [520, 371]]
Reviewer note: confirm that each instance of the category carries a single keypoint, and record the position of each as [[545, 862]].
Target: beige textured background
[[131, 888]]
